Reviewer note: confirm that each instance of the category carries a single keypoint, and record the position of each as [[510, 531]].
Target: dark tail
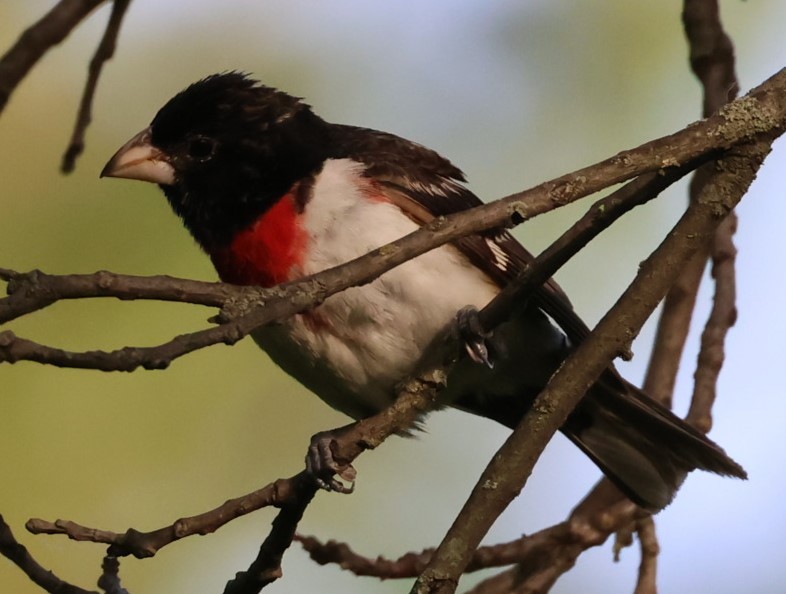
[[641, 446]]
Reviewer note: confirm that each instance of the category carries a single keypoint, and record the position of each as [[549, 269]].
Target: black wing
[[426, 185]]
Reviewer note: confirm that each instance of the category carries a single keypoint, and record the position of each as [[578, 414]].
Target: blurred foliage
[[513, 92]]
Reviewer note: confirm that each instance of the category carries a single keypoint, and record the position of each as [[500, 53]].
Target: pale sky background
[[514, 93]]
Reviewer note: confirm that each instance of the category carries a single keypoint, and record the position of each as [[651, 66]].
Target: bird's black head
[[224, 150]]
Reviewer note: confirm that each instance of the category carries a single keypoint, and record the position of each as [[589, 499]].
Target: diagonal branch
[[712, 60], [141, 545], [509, 469], [266, 568], [50, 30], [598, 218], [104, 52]]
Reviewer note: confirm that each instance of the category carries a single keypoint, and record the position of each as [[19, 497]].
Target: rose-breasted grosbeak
[[272, 193]]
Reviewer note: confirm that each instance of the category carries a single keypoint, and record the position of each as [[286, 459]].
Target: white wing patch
[[445, 188], [501, 258]]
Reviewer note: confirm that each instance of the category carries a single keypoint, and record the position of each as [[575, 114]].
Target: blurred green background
[[514, 93]]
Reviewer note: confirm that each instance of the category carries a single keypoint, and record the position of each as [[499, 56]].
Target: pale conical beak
[[139, 159]]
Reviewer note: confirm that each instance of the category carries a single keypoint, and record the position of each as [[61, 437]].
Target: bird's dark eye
[[201, 148]]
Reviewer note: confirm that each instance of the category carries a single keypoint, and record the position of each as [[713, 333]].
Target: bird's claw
[[474, 336], [322, 465]]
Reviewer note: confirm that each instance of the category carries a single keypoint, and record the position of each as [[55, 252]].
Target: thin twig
[[648, 567], [146, 544], [109, 581], [50, 30], [586, 527], [712, 61], [35, 290], [598, 218], [18, 554], [721, 319], [104, 52]]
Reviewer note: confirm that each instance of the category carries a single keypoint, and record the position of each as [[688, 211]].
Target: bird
[[272, 192]]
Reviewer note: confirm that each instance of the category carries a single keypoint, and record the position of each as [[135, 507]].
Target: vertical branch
[[672, 331], [722, 318], [711, 55], [712, 61], [109, 581], [648, 568]]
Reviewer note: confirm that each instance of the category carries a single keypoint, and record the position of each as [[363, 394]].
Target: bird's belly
[[353, 349]]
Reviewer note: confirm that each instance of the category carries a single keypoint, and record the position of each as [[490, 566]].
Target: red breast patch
[[267, 253]]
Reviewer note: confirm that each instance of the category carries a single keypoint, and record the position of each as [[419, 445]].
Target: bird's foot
[[323, 466], [475, 338]]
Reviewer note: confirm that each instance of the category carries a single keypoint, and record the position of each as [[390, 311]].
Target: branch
[[712, 61], [109, 581], [18, 554], [141, 545], [722, 318], [763, 110], [53, 28], [266, 568], [509, 469], [36, 290], [648, 568], [291, 495], [598, 218], [541, 557], [104, 52], [711, 53]]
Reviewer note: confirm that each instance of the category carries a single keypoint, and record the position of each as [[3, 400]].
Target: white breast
[[357, 345]]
